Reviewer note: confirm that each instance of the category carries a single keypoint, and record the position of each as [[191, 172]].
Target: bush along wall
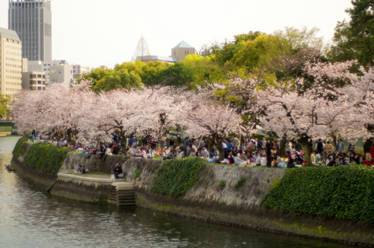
[[46, 158], [176, 177], [19, 146], [345, 192]]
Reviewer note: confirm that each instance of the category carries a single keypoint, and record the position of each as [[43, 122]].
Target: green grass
[[5, 129], [96, 173], [344, 192], [176, 177]]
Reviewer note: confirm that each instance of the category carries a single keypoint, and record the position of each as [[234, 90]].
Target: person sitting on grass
[[117, 170]]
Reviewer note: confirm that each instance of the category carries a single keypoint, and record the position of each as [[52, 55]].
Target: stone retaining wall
[[91, 162]]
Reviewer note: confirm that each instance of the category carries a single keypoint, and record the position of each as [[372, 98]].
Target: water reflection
[[29, 218]]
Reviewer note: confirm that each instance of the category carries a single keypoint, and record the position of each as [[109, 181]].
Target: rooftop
[[11, 34], [183, 44]]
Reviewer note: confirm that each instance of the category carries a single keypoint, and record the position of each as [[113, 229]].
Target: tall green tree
[[355, 39]]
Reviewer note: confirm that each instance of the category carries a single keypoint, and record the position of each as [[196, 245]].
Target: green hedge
[[46, 158], [176, 177], [345, 192], [19, 146]]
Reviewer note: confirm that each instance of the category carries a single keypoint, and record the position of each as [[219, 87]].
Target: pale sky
[[106, 32]]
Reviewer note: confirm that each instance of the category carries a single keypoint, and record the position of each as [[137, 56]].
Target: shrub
[[19, 146], [239, 183], [176, 177], [222, 184], [137, 174], [345, 192], [46, 158]]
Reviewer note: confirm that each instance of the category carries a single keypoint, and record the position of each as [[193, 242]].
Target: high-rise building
[[10, 62], [182, 50], [32, 20]]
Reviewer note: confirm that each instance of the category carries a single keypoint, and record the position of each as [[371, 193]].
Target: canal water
[[29, 218]]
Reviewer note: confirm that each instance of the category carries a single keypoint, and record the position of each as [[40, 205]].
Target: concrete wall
[[91, 162], [208, 190]]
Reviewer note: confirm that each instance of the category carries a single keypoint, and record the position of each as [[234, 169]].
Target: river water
[[29, 218]]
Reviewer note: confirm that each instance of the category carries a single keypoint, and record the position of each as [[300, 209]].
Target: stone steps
[[122, 194]]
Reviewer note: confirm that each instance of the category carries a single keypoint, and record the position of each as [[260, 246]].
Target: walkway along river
[[29, 218]]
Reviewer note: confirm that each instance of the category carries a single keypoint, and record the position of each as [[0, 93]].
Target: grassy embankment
[[344, 192], [45, 158]]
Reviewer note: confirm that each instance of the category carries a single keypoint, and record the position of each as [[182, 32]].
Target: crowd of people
[[245, 152]]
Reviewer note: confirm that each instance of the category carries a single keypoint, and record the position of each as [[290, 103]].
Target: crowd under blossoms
[[296, 110]]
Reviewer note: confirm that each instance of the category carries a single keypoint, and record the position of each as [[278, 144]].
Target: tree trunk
[[217, 141], [307, 148], [283, 144], [367, 146], [123, 139]]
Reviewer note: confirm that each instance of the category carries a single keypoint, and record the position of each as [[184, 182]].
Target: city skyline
[[98, 33]]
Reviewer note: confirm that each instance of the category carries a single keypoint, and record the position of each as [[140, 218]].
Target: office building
[[61, 72], [79, 70], [32, 20], [10, 62], [33, 80]]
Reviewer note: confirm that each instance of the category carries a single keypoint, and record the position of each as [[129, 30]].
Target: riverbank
[[221, 194]]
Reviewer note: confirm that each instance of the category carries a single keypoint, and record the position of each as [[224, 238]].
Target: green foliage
[[137, 174], [222, 184], [19, 146], [301, 38], [355, 40], [239, 183], [177, 75], [176, 177], [203, 69], [4, 111], [151, 73], [345, 192], [107, 79], [254, 53], [46, 158]]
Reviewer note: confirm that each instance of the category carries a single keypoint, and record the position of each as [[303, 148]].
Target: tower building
[[32, 20]]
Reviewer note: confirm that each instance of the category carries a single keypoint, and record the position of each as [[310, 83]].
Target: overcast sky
[[106, 32]]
